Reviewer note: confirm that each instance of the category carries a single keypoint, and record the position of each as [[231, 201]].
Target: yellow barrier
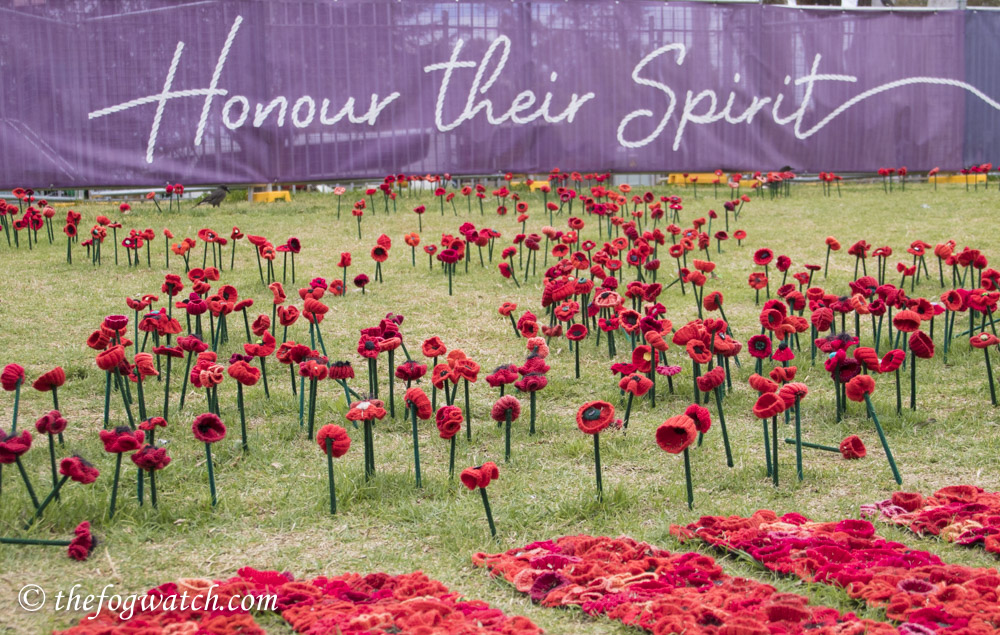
[[704, 178], [270, 197], [959, 178]]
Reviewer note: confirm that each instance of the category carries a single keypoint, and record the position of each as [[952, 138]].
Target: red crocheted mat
[[661, 592], [372, 604], [962, 514], [915, 587]]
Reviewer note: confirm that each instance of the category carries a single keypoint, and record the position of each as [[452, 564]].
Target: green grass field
[[273, 510]]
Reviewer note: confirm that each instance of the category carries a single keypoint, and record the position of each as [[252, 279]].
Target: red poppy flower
[[417, 399], [79, 470], [635, 384], [11, 377], [853, 448], [51, 422], [449, 421], [701, 417], [12, 446], [762, 384], [576, 333], [860, 386], [55, 378], [83, 542], [107, 360], [208, 428], [533, 382], [151, 459], [768, 405], [505, 406], [121, 439], [470, 477], [757, 280], [263, 348], [922, 345], [379, 253], [867, 357], [763, 257], [244, 373], [983, 340], [698, 351], [789, 392], [366, 410], [594, 416], [783, 374], [153, 423], [712, 379], [676, 434], [345, 260], [506, 374], [340, 441]]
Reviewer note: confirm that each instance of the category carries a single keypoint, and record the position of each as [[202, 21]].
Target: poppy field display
[[425, 373]]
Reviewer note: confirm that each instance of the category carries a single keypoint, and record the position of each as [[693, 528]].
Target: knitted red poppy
[[982, 340], [13, 446], [698, 351], [83, 542], [922, 345], [676, 433], [417, 399], [505, 406], [635, 384], [79, 470], [55, 378], [341, 442], [433, 347], [244, 373], [594, 416], [768, 405], [208, 428], [860, 386], [152, 423], [11, 376], [701, 416], [892, 360], [762, 384], [151, 459], [712, 379], [906, 321], [789, 392], [449, 421], [51, 423], [783, 374], [488, 472], [470, 477], [366, 410], [853, 448], [121, 439]]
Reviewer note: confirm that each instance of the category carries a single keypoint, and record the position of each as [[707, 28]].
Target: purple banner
[[240, 91]]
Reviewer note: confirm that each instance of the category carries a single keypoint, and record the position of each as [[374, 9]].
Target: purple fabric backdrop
[[133, 92]]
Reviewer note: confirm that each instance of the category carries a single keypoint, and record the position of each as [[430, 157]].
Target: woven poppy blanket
[[915, 587], [661, 592], [963, 514], [372, 604]]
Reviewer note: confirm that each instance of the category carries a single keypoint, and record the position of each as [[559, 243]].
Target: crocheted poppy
[[576, 333], [635, 384], [13, 375], [922, 345], [860, 386], [783, 374], [208, 428], [762, 384], [867, 357], [506, 374], [853, 448], [642, 357], [466, 369], [83, 543], [488, 472], [470, 477], [116, 322], [701, 416], [51, 422], [759, 346], [505, 406], [152, 423], [340, 370], [907, 321], [789, 392], [983, 340], [55, 378], [244, 373], [151, 459], [433, 347], [698, 351], [417, 399], [712, 379], [13, 446], [594, 416], [121, 439], [449, 421], [676, 433], [366, 410], [783, 353], [411, 371], [768, 405], [79, 470], [763, 257], [144, 365], [341, 442], [533, 382]]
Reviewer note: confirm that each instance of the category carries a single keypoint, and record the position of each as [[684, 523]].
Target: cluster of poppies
[[914, 587], [351, 604], [655, 590], [29, 216], [963, 514]]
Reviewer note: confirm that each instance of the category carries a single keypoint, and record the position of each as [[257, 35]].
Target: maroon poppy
[[208, 428], [79, 470], [121, 439], [151, 459]]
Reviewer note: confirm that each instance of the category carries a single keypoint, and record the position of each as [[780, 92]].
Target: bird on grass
[[216, 197]]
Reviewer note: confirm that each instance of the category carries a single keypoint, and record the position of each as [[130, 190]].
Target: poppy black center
[[592, 413], [369, 346]]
